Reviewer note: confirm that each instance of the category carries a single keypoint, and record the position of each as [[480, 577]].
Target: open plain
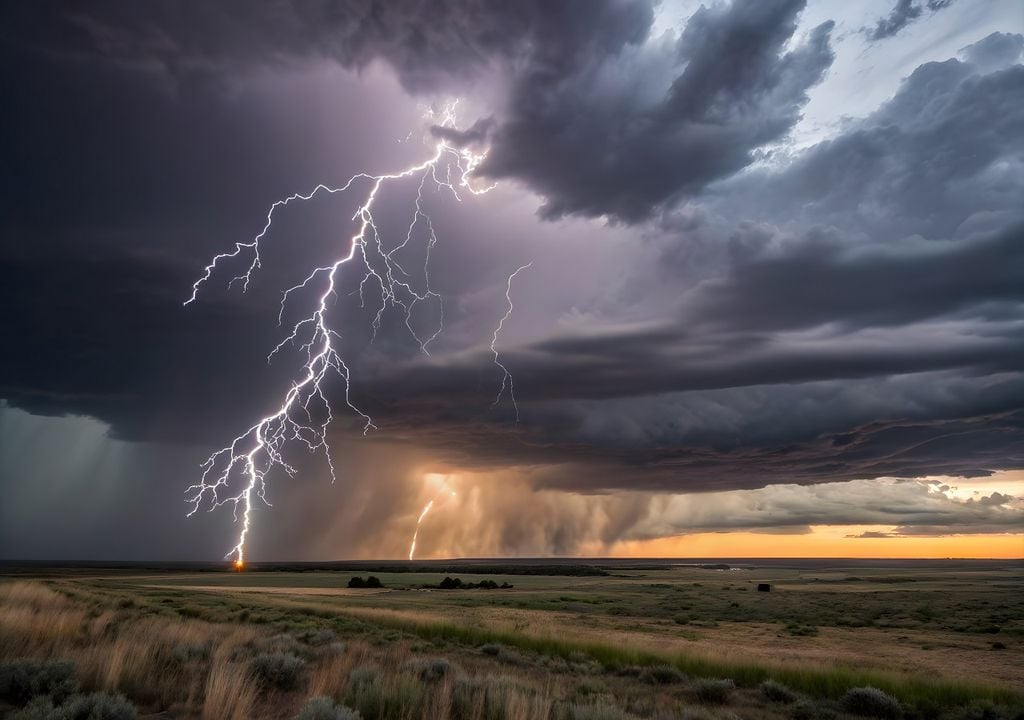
[[615, 640]]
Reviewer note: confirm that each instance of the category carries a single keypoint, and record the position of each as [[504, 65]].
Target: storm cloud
[[713, 308]]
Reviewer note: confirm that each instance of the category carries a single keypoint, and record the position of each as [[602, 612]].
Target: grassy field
[[650, 641]]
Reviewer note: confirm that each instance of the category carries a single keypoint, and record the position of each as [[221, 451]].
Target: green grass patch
[[827, 683]]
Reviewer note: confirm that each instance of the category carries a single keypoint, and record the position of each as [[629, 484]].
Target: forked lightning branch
[[237, 474]]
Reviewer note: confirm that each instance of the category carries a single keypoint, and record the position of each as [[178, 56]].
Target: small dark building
[[764, 587]]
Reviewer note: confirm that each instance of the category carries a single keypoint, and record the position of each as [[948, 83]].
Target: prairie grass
[[229, 658], [231, 692], [829, 682]]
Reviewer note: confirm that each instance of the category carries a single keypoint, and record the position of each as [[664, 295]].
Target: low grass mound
[[713, 690], [872, 702], [324, 708], [661, 675], [279, 670], [21, 680], [777, 692], [95, 706]]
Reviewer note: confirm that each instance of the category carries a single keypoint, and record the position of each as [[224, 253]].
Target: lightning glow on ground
[[238, 471]]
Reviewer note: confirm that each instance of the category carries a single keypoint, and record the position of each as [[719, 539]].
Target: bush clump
[[662, 675], [97, 706], [871, 702], [324, 708], [429, 669], [777, 692], [807, 710], [370, 582], [278, 670], [21, 680], [450, 583], [317, 637], [365, 691], [714, 690]]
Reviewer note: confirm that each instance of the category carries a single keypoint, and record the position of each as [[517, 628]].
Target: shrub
[[317, 637], [871, 702], [39, 709], [365, 692], [983, 710], [323, 708], [714, 690], [364, 675], [21, 680], [429, 669], [97, 706], [777, 692], [661, 675], [278, 670]]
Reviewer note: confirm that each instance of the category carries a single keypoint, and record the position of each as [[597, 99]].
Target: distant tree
[[450, 584], [374, 582], [357, 582]]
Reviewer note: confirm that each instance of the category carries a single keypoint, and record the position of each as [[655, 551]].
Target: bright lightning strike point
[[252, 454]]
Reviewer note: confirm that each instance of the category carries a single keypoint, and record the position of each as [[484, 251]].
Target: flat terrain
[[938, 636]]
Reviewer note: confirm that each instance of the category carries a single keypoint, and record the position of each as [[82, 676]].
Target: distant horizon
[[14, 562]]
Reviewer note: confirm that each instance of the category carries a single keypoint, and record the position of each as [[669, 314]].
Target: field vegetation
[[662, 643]]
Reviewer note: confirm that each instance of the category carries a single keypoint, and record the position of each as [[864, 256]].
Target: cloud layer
[[709, 310]]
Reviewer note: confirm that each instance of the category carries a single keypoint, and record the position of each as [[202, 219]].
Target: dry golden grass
[[231, 692], [35, 620], [143, 647], [330, 677], [122, 651]]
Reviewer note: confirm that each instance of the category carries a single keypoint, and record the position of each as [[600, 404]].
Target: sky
[[773, 302]]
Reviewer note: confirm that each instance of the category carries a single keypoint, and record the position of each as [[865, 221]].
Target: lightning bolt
[[506, 378], [426, 509], [252, 454]]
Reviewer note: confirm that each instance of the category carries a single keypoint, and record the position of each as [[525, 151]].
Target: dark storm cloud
[[726, 439], [594, 119], [429, 45], [903, 258], [853, 311], [596, 143], [820, 279], [904, 13]]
